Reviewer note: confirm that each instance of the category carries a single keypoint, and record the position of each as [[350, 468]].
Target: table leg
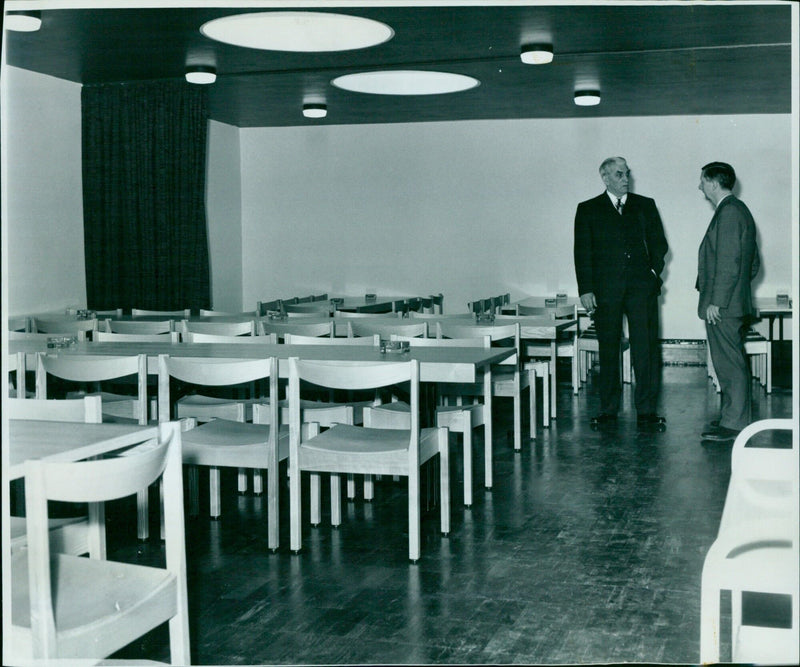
[[553, 377], [487, 428]]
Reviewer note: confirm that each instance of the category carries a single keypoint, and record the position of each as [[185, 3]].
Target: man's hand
[[589, 302], [712, 314]]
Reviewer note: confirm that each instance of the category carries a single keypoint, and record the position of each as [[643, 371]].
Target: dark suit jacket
[[728, 260], [600, 243]]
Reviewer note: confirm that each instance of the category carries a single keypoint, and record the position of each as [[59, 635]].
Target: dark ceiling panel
[[664, 59]]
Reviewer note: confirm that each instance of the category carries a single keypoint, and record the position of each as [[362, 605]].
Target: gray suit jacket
[[728, 260]]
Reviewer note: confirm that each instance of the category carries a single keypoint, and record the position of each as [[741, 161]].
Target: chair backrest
[[212, 372], [321, 297], [305, 299], [111, 337], [88, 409], [221, 313], [508, 333], [298, 328], [242, 328], [140, 326], [191, 337], [480, 306], [306, 307], [96, 481], [297, 339], [62, 325], [377, 308], [422, 315], [438, 302], [263, 307], [113, 313], [472, 341], [366, 313], [386, 329], [94, 368], [181, 314]]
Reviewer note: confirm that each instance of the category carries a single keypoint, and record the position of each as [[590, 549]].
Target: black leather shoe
[[720, 434], [604, 419], [651, 421], [650, 418]]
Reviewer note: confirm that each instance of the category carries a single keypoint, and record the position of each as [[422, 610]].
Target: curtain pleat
[[144, 165]]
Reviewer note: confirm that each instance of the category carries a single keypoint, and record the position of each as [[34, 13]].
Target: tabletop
[[67, 441], [451, 364]]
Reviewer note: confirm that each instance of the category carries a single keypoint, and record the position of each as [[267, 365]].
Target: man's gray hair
[[605, 166]]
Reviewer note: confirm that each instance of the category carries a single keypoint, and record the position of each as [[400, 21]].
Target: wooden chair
[[756, 551], [759, 351], [149, 327], [509, 378], [67, 534], [68, 607], [16, 364], [438, 303], [480, 306], [174, 314], [263, 307], [353, 449], [315, 329], [242, 328], [63, 326], [227, 443], [357, 328], [566, 344], [94, 369], [460, 418]]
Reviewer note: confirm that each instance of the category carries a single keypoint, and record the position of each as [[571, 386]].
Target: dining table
[[437, 365], [67, 441]]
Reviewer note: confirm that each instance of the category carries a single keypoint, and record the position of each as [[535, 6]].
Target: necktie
[[619, 206]]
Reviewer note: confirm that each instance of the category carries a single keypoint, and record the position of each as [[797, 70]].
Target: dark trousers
[[640, 306], [726, 343]]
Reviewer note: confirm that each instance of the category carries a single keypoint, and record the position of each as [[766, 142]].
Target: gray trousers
[[726, 343]]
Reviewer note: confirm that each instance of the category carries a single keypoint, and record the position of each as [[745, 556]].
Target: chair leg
[[414, 534], [532, 416], [444, 479], [143, 514], [295, 507], [576, 383], [316, 499], [336, 500], [258, 482], [517, 419], [96, 535], [351, 486], [768, 363], [467, 437], [161, 509], [214, 492], [545, 401], [369, 487], [194, 491]]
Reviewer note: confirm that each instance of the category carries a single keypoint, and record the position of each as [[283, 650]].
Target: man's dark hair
[[722, 173]]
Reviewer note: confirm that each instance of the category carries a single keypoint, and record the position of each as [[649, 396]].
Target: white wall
[[46, 269], [473, 209], [223, 213]]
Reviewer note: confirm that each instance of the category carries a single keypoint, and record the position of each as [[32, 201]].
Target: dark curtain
[[144, 165]]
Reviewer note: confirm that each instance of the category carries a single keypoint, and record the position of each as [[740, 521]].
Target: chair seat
[[458, 418], [346, 448], [226, 443], [112, 612]]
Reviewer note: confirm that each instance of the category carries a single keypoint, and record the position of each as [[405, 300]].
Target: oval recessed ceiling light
[[315, 110], [201, 74], [405, 82], [587, 98], [297, 31], [536, 54]]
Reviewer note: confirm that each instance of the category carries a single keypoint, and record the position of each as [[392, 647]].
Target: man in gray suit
[[727, 262]]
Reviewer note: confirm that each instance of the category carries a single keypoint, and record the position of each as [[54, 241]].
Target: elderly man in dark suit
[[727, 262], [619, 255]]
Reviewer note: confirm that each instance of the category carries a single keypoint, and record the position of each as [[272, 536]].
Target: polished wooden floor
[[588, 549]]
